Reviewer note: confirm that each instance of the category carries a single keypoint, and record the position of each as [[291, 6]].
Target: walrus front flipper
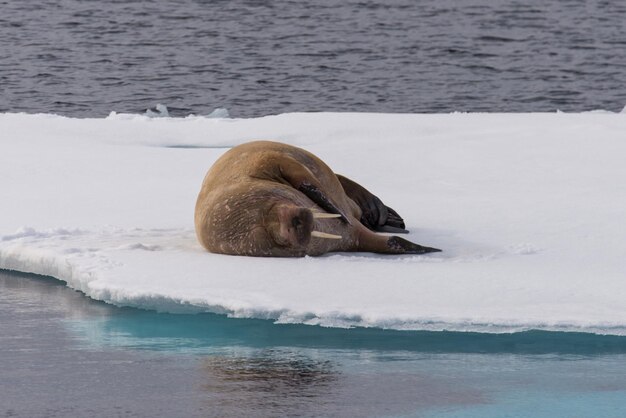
[[316, 194], [303, 180], [399, 245], [375, 215]]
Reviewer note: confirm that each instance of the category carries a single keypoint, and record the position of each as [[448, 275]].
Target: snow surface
[[528, 208]]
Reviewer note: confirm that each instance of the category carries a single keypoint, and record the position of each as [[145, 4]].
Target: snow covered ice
[[528, 208]]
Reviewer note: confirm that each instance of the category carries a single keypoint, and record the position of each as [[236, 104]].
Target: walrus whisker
[[324, 215], [319, 234]]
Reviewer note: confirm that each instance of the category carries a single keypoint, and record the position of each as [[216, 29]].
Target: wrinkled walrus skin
[[270, 199]]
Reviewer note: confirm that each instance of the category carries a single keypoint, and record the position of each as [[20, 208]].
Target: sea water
[[86, 58], [63, 354]]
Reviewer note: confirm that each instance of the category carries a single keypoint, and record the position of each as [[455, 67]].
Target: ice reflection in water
[[268, 381], [287, 382]]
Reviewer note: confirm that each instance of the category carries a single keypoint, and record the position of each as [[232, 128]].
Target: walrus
[[269, 199]]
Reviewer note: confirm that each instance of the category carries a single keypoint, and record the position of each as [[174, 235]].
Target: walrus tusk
[[319, 234], [324, 215]]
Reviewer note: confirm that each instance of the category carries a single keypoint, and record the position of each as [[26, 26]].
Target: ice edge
[[23, 259]]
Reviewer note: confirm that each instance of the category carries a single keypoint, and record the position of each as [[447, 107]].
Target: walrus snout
[[295, 225]]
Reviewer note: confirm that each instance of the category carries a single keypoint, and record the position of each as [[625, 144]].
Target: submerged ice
[[527, 207]]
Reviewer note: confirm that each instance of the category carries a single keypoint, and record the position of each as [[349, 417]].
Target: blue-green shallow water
[[63, 354]]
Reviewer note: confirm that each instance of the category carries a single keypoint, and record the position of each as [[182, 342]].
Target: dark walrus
[[270, 199]]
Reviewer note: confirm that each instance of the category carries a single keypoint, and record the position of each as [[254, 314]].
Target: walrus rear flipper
[[390, 230], [399, 245], [383, 244], [393, 224], [375, 215]]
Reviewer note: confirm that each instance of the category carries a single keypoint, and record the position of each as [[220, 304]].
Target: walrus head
[[292, 226]]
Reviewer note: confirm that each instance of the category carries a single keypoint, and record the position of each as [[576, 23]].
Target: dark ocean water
[[86, 58]]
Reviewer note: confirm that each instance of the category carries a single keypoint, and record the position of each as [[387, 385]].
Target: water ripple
[[82, 58]]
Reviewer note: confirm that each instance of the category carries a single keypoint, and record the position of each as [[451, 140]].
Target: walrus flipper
[[319, 197], [401, 246], [303, 180], [375, 215], [390, 229], [394, 223]]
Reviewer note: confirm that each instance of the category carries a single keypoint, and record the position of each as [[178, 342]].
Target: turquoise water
[[82, 357], [199, 333]]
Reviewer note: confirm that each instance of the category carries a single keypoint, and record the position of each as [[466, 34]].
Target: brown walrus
[[270, 199]]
